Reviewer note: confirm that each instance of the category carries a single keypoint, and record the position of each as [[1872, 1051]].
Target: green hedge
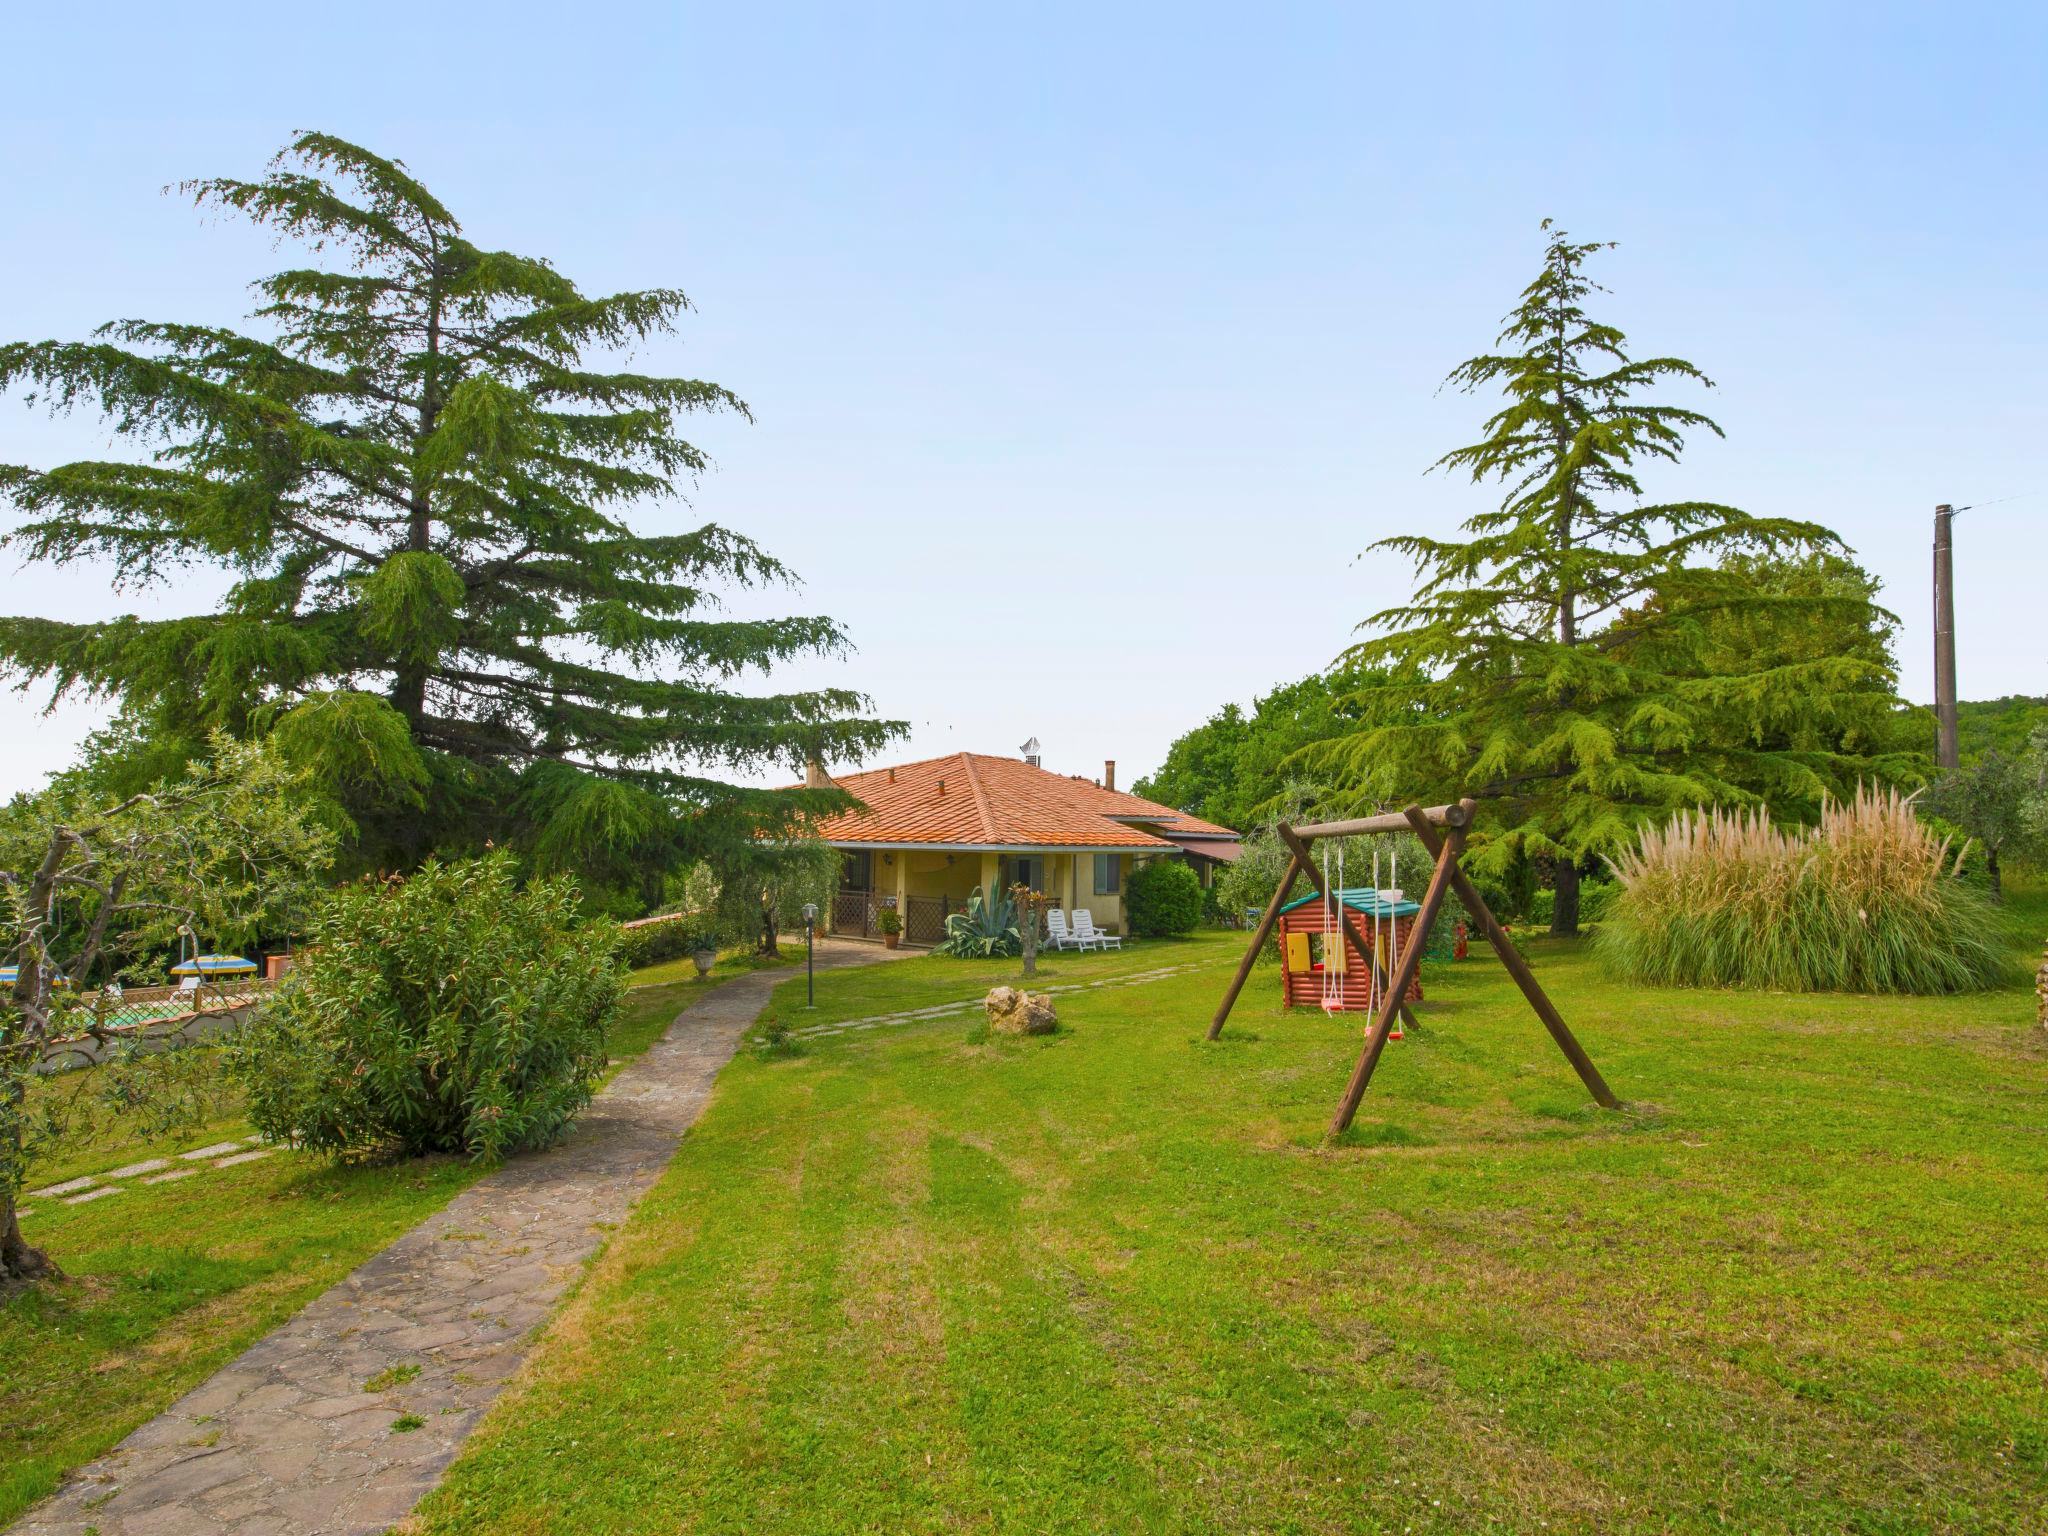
[[669, 939], [1163, 899]]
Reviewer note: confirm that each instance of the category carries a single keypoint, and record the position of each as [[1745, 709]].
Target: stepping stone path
[[339, 1421], [137, 1170], [972, 1004], [95, 1186]]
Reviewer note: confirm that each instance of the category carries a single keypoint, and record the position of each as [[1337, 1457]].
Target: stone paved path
[[289, 1440]]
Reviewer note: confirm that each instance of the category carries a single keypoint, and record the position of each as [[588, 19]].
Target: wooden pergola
[[1447, 848]]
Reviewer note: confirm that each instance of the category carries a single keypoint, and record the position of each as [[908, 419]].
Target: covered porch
[[924, 885]]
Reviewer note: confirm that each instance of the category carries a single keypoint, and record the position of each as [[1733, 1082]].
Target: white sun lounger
[[1091, 936]]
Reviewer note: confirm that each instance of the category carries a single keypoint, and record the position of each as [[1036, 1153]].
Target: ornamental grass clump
[[1865, 902], [453, 1011]]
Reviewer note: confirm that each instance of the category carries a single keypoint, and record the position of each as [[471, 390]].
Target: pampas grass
[[1864, 902]]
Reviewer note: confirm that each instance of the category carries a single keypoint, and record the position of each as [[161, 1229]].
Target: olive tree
[[94, 893]]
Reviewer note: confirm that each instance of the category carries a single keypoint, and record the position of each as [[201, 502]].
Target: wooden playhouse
[[1310, 948]]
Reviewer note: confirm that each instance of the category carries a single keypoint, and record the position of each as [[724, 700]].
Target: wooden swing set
[[1447, 875]]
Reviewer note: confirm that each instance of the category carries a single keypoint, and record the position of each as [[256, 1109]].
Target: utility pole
[[1947, 751]]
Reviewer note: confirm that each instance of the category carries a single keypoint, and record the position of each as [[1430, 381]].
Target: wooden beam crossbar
[[1447, 875]]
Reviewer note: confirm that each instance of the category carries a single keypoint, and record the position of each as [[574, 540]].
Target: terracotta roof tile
[[1001, 802]]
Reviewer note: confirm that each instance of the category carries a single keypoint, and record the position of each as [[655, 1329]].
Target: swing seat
[[1333, 1005]]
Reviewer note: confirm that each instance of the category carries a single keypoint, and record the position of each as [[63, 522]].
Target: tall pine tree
[[1566, 642], [423, 475]]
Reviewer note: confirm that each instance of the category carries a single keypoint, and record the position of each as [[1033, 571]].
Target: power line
[[1973, 506]]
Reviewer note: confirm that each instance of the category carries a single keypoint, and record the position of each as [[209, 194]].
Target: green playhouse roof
[[1363, 899]]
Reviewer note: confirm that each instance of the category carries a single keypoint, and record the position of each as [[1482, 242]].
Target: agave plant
[[983, 930]]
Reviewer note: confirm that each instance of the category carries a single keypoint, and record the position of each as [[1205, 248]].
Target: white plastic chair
[[1088, 934], [1057, 931]]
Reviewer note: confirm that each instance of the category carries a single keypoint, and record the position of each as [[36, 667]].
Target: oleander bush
[[453, 1010], [1865, 902], [1163, 899]]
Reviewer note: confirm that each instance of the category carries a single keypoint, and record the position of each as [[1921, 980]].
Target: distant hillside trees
[[1232, 767]]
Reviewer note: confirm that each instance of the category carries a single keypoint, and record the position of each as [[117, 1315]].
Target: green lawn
[[1111, 1280], [731, 963], [925, 981], [168, 1282]]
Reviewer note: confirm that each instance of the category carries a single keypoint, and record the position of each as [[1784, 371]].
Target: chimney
[[815, 776], [892, 775], [942, 786], [1109, 774], [1031, 752]]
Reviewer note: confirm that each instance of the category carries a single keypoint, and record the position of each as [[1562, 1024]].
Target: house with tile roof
[[926, 834]]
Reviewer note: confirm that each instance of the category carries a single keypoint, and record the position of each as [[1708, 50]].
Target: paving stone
[[171, 1177], [310, 1503], [137, 1170], [94, 1194], [243, 1157], [67, 1187], [342, 1404], [302, 1447], [180, 1483], [284, 1463], [276, 1394]]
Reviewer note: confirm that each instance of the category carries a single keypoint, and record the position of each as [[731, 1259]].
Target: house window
[[1108, 867], [1023, 870], [857, 871]]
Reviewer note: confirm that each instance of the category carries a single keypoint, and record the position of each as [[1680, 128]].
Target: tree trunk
[[770, 945], [1564, 910], [1027, 929], [1991, 869], [19, 1263]]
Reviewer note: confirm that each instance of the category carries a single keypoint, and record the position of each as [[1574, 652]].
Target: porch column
[[991, 871], [903, 886]]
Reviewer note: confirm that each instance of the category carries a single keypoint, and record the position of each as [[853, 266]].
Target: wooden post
[[1446, 852], [1357, 947], [1947, 742], [1251, 955], [1518, 968]]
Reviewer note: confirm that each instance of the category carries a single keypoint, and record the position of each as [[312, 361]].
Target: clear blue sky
[[1088, 345]]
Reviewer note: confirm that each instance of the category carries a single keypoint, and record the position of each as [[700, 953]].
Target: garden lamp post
[[810, 970]]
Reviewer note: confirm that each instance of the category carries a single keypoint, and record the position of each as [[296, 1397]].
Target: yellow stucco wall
[[929, 874]]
